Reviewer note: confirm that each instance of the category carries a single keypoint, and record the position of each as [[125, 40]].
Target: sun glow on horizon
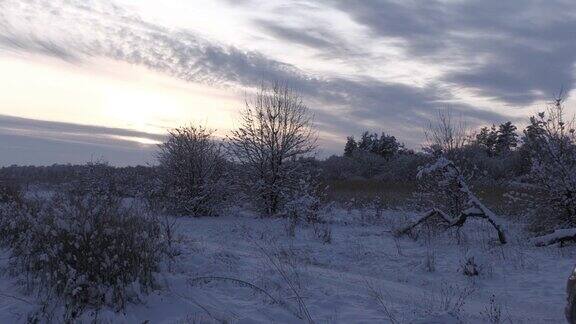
[[110, 94]]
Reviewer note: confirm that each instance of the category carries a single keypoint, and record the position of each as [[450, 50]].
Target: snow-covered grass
[[243, 269]]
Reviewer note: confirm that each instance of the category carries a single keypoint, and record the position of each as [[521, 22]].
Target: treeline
[[130, 178], [491, 154], [268, 162]]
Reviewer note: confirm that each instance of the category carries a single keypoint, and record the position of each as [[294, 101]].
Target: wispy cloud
[[514, 51]]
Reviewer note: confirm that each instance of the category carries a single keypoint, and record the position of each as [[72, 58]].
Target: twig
[[238, 281], [17, 298], [284, 275]]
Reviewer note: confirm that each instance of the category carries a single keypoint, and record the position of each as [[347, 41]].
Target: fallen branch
[[490, 217], [475, 207], [428, 215], [558, 236]]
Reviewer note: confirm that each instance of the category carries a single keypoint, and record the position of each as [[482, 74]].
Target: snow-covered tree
[[275, 130], [551, 141], [191, 172]]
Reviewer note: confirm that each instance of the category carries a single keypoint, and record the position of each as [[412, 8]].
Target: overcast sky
[[97, 79]]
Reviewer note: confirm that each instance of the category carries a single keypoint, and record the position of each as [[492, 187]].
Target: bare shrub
[[291, 223], [275, 130], [493, 311], [446, 135], [170, 236], [372, 213], [284, 263], [88, 249], [191, 173], [469, 267], [451, 299]]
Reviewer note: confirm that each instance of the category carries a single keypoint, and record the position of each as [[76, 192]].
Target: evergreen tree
[[387, 146], [488, 138], [367, 142], [507, 138], [350, 146], [533, 131]]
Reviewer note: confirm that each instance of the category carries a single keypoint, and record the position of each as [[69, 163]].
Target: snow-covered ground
[[242, 269]]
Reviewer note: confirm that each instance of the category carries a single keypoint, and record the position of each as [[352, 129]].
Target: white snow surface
[[337, 281]]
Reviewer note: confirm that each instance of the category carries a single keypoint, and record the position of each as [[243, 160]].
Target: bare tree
[[446, 134], [275, 130], [191, 172]]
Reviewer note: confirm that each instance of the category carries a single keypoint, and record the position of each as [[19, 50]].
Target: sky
[[85, 80]]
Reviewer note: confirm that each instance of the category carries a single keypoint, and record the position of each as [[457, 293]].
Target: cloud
[[73, 29], [347, 104], [23, 140], [370, 104], [303, 36], [517, 52]]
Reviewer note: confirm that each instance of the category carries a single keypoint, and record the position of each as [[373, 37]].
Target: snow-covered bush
[[191, 174], [551, 141], [86, 248], [304, 205], [95, 179]]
